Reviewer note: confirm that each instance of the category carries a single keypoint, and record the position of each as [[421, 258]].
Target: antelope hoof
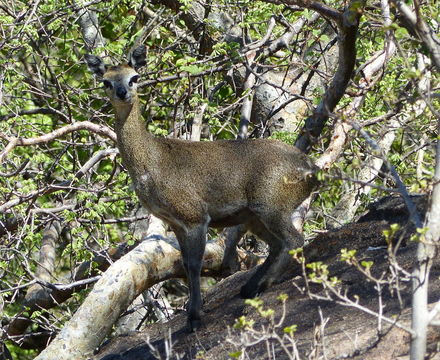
[[250, 291], [230, 267], [194, 324]]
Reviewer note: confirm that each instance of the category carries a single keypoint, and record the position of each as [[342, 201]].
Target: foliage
[[45, 86], [272, 332]]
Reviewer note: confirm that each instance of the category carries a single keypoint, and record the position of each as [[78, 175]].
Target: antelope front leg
[[192, 241]]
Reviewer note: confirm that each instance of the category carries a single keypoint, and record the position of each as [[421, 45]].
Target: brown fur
[[193, 185]]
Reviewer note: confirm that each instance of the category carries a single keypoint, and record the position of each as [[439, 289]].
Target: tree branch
[[184, 75], [88, 22], [321, 8], [154, 260], [246, 106], [427, 250], [33, 112], [82, 125], [414, 215], [424, 32], [347, 58]]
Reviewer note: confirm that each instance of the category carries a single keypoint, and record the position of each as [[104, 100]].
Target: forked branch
[[82, 125], [348, 23]]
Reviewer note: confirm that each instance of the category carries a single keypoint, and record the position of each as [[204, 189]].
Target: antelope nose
[[121, 92]]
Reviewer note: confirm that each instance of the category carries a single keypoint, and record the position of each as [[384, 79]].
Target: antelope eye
[[107, 84], [134, 79]]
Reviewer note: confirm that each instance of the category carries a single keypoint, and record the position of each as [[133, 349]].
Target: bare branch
[[246, 107], [184, 75], [16, 171], [284, 40], [414, 215], [425, 33], [98, 156], [321, 8], [82, 125], [154, 260], [69, 287], [88, 22], [347, 56], [33, 112]]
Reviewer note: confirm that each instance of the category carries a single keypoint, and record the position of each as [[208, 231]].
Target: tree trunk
[[426, 252]]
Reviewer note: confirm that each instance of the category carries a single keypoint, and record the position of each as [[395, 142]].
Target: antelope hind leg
[[281, 237]]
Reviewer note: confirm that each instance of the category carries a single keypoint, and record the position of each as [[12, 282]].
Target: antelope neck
[[136, 145]]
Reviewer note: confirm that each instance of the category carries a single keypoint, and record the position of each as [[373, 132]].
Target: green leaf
[[347, 255], [290, 329], [192, 69], [235, 355], [367, 264], [256, 302], [283, 297]]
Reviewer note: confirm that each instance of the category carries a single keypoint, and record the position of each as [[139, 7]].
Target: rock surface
[[324, 329]]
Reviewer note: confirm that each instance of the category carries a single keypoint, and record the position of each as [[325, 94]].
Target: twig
[[319, 7], [64, 287], [15, 172], [83, 125], [413, 213], [425, 33], [184, 75], [51, 188], [348, 25], [33, 112]]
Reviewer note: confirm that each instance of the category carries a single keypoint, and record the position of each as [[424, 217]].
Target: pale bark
[[426, 250], [154, 260], [37, 296], [417, 24], [196, 127], [299, 215], [246, 106], [90, 30], [347, 206], [420, 157]]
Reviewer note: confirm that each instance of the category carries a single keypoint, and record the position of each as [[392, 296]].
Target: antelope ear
[[137, 57], [95, 64]]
